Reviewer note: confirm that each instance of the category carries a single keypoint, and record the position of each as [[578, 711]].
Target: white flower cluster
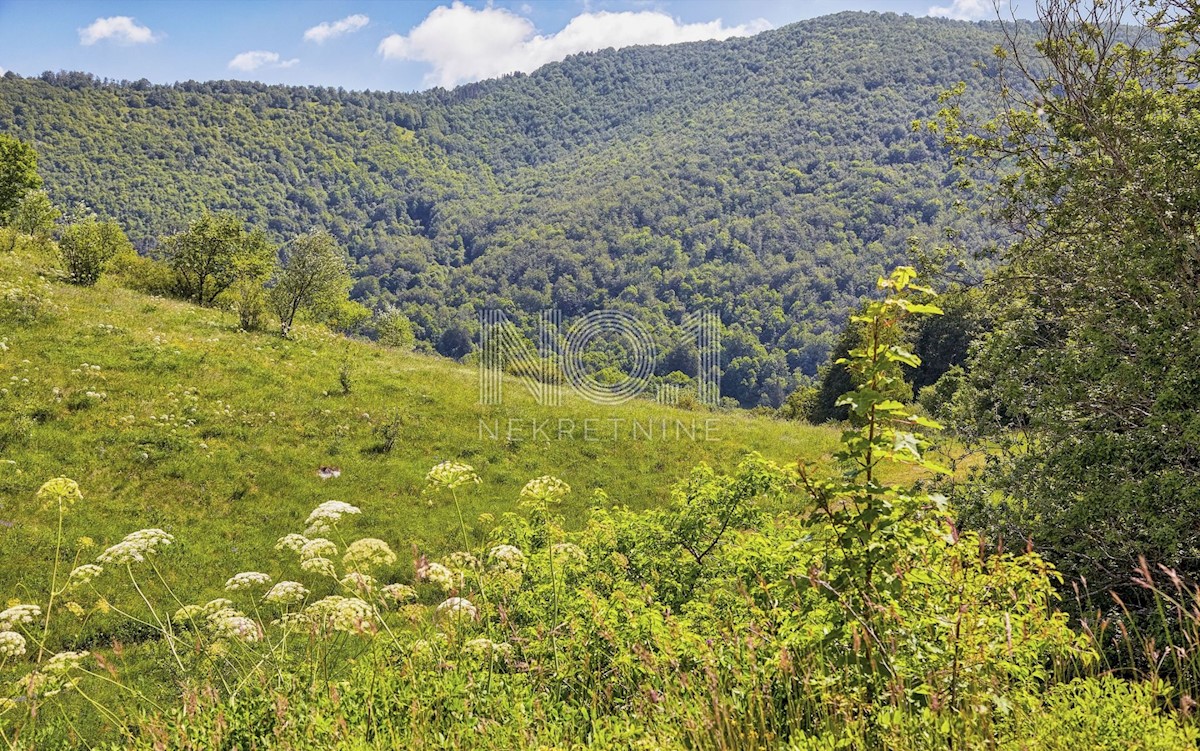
[[462, 562], [136, 546], [568, 553], [348, 614], [451, 475], [484, 647], [399, 592], [367, 553], [320, 566], [18, 615], [12, 644], [326, 516], [363, 584], [507, 558], [233, 625], [543, 491], [318, 547], [286, 593], [64, 662], [440, 576], [188, 614], [83, 575], [292, 542], [247, 580], [458, 607]]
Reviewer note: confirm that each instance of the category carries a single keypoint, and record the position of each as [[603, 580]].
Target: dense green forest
[[770, 178]]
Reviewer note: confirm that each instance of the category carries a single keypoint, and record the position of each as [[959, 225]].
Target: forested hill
[[769, 177]]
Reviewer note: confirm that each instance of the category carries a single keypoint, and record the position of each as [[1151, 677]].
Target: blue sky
[[373, 44]]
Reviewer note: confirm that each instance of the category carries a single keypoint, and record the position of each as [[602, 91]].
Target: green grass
[[250, 419]]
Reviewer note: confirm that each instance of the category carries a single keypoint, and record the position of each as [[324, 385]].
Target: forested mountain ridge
[[768, 177]]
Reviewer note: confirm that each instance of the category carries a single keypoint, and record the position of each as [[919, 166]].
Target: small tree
[[214, 253], [18, 174], [88, 245], [313, 276], [394, 329], [35, 216]]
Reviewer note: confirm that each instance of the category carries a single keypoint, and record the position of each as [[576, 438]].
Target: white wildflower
[[136, 546], [451, 475], [358, 582], [230, 624], [367, 553], [318, 548], [458, 607], [507, 558], [399, 592], [319, 565], [12, 644], [462, 562], [18, 615], [247, 580], [286, 593], [83, 575], [64, 662], [349, 614], [292, 542], [484, 647], [568, 553], [440, 576], [542, 491], [326, 516]]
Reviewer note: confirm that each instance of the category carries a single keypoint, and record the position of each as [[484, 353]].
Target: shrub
[[87, 246]]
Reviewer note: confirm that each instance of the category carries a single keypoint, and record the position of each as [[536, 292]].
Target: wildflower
[[318, 548], [19, 614], [440, 576], [247, 580], [361, 583], [399, 592], [458, 607], [60, 493], [568, 553], [64, 662], [349, 614], [293, 620], [367, 553], [426, 649], [83, 575], [543, 491], [75, 609], [228, 623], [136, 546], [450, 475], [484, 647], [286, 593], [12, 644], [462, 562], [319, 565], [189, 613], [292, 542], [507, 558], [326, 516]]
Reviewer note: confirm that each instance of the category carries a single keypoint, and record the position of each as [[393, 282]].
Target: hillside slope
[[168, 416], [766, 177]]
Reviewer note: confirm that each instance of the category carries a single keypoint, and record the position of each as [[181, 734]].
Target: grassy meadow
[[216, 435]]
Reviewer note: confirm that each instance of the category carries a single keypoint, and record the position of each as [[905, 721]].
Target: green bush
[[87, 246]]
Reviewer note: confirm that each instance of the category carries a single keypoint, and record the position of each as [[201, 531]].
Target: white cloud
[[467, 44], [965, 10], [120, 29], [255, 59], [326, 30]]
